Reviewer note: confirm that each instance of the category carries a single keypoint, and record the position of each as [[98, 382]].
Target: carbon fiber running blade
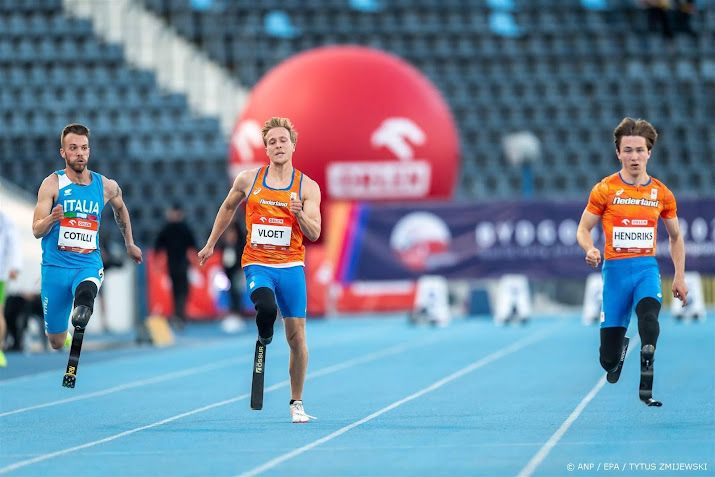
[[259, 363]]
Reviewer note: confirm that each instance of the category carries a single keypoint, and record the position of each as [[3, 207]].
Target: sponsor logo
[[263, 219], [626, 221], [525, 233], [619, 192], [421, 240], [259, 360], [247, 137], [256, 191], [632, 201], [384, 179], [272, 220], [653, 194], [68, 192], [273, 202], [396, 134], [639, 222]]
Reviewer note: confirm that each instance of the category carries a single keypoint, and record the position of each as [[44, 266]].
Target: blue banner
[[464, 241]]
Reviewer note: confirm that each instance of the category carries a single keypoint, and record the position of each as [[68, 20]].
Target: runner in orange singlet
[[629, 204], [282, 207]]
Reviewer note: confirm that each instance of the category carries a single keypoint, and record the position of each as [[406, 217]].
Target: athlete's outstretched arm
[[225, 213], [583, 235], [45, 215], [308, 212], [121, 215], [677, 253]]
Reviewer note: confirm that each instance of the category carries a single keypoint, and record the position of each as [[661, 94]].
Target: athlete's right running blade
[[259, 363], [646, 384]]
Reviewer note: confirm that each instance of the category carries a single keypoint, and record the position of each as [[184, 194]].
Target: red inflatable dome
[[370, 126]]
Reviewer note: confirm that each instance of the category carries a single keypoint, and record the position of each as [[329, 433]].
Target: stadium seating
[[55, 71], [569, 76], [572, 73]]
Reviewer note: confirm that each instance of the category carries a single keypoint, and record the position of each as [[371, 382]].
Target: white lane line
[[135, 384], [128, 357], [143, 382], [322, 372], [556, 437], [222, 342], [436, 385]]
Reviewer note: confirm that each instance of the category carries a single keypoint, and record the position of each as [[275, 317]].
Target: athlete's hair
[[635, 127], [74, 128], [276, 122]]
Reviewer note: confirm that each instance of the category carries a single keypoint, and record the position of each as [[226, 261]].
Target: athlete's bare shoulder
[[49, 184], [52, 179], [244, 180], [111, 188], [310, 185]]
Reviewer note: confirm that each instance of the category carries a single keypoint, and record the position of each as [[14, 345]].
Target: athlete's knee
[[83, 303], [611, 347], [295, 334], [57, 341], [266, 312], [647, 311]]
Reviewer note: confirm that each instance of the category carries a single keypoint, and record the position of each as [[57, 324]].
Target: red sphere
[[370, 126]]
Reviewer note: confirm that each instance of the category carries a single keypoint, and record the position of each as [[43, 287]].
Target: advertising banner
[[464, 241]]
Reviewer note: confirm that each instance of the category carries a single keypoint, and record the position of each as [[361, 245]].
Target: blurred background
[[455, 143]]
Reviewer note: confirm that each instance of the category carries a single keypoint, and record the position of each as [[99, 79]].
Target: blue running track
[[392, 400]]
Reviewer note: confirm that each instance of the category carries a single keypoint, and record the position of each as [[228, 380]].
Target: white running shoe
[[298, 414]]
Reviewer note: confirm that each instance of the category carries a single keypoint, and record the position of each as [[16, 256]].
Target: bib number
[[271, 237], [78, 235], [633, 235]]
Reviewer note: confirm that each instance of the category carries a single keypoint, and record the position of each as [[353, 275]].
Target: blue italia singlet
[[73, 242]]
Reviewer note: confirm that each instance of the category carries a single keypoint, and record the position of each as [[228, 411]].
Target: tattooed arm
[[113, 195]]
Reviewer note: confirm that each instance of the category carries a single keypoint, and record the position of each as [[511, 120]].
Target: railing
[[149, 43]]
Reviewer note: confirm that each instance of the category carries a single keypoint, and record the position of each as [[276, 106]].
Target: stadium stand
[[56, 71], [568, 77]]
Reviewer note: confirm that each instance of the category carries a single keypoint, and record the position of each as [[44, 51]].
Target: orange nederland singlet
[[629, 214], [273, 235]]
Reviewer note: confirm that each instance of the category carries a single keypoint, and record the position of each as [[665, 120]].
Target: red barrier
[[203, 302]]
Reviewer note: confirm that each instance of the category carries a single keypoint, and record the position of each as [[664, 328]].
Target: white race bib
[[270, 236], [78, 235], [633, 237]]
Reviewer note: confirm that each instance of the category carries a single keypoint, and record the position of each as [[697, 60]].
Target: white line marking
[[127, 357], [556, 437], [231, 341], [167, 377], [135, 384], [325, 371], [436, 385]]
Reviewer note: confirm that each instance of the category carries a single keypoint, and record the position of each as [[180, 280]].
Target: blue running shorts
[[58, 287], [626, 282], [288, 284]]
